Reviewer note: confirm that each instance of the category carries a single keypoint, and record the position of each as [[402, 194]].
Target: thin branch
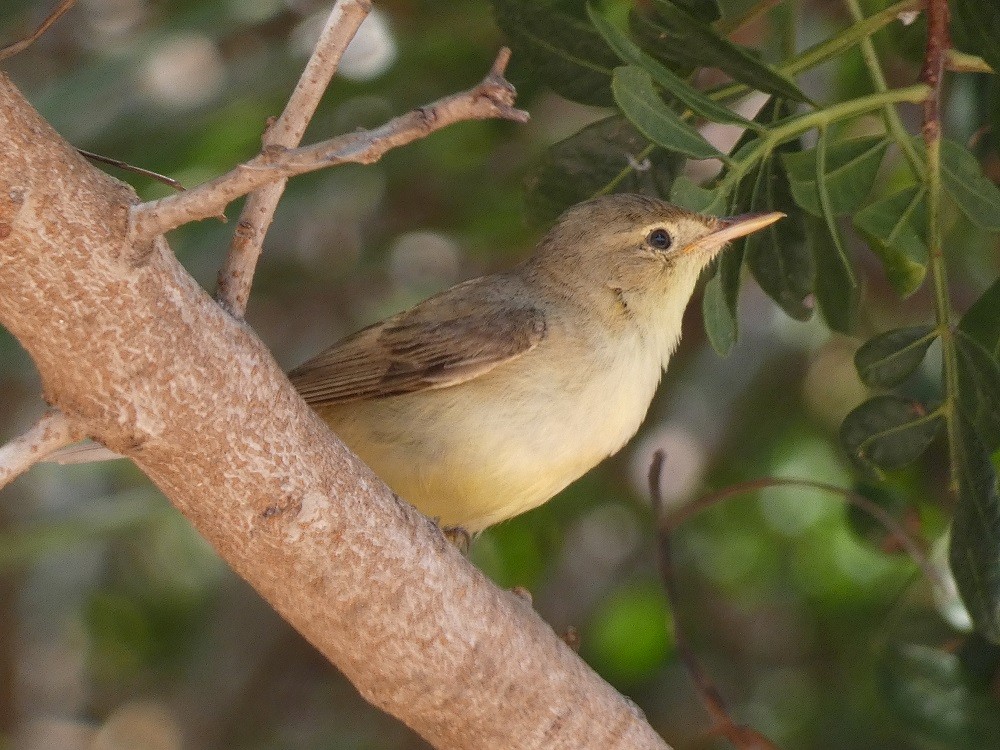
[[741, 736], [880, 514], [17, 47], [938, 42], [890, 116], [492, 98], [52, 431], [236, 275], [932, 73], [132, 168]]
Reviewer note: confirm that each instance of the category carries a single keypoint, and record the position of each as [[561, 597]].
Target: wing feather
[[445, 340]]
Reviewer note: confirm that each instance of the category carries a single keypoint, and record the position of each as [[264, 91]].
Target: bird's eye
[[659, 238]]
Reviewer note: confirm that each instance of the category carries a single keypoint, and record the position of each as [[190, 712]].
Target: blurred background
[[119, 628]]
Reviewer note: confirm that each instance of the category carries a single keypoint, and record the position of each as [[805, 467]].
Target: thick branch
[[147, 363], [236, 275], [50, 433], [492, 98]]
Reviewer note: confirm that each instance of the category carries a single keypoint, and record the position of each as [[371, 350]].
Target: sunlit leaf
[[851, 168], [889, 358], [937, 700], [604, 157], [561, 49], [982, 320], [895, 227], [835, 285], [973, 193], [886, 432], [675, 36], [975, 533], [720, 321], [639, 101], [673, 84], [979, 388]]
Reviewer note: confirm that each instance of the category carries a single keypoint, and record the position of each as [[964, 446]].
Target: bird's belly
[[476, 454]]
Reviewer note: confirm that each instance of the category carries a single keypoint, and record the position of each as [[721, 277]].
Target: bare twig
[[236, 275], [132, 168], [880, 514], [492, 98], [12, 49], [741, 736], [52, 431], [938, 42]]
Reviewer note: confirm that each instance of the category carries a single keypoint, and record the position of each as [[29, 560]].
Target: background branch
[[236, 275], [492, 98], [51, 432]]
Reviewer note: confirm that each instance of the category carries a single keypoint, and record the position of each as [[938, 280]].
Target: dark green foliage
[[974, 553], [851, 167], [982, 320], [604, 157], [938, 701], [889, 358], [887, 432], [894, 227], [638, 100], [562, 50], [980, 22], [979, 388], [675, 36]]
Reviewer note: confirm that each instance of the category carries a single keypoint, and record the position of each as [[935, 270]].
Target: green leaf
[[975, 533], [981, 23], [835, 285], [777, 256], [604, 157], [973, 193], [720, 321], [704, 10], [889, 358], [635, 94], [979, 388], [688, 194], [941, 704], [886, 432], [676, 86], [561, 49], [674, 35], [851, 168], [982, 320], [894, 227]]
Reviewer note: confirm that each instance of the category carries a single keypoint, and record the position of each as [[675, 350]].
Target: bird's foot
[[458, 536]]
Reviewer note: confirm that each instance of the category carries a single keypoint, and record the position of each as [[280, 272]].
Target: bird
[[487, 399]]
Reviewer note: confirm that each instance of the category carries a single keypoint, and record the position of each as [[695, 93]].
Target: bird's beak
[[730, 228]]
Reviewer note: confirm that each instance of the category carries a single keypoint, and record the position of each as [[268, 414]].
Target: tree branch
[[236, 275], [17, 47], [492, 98], [52, 431], [151, 366]]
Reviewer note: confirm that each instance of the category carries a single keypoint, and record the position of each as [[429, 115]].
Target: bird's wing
[[445, 340]]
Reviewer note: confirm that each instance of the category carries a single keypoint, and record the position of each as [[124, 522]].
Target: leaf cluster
[[640, 60]]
